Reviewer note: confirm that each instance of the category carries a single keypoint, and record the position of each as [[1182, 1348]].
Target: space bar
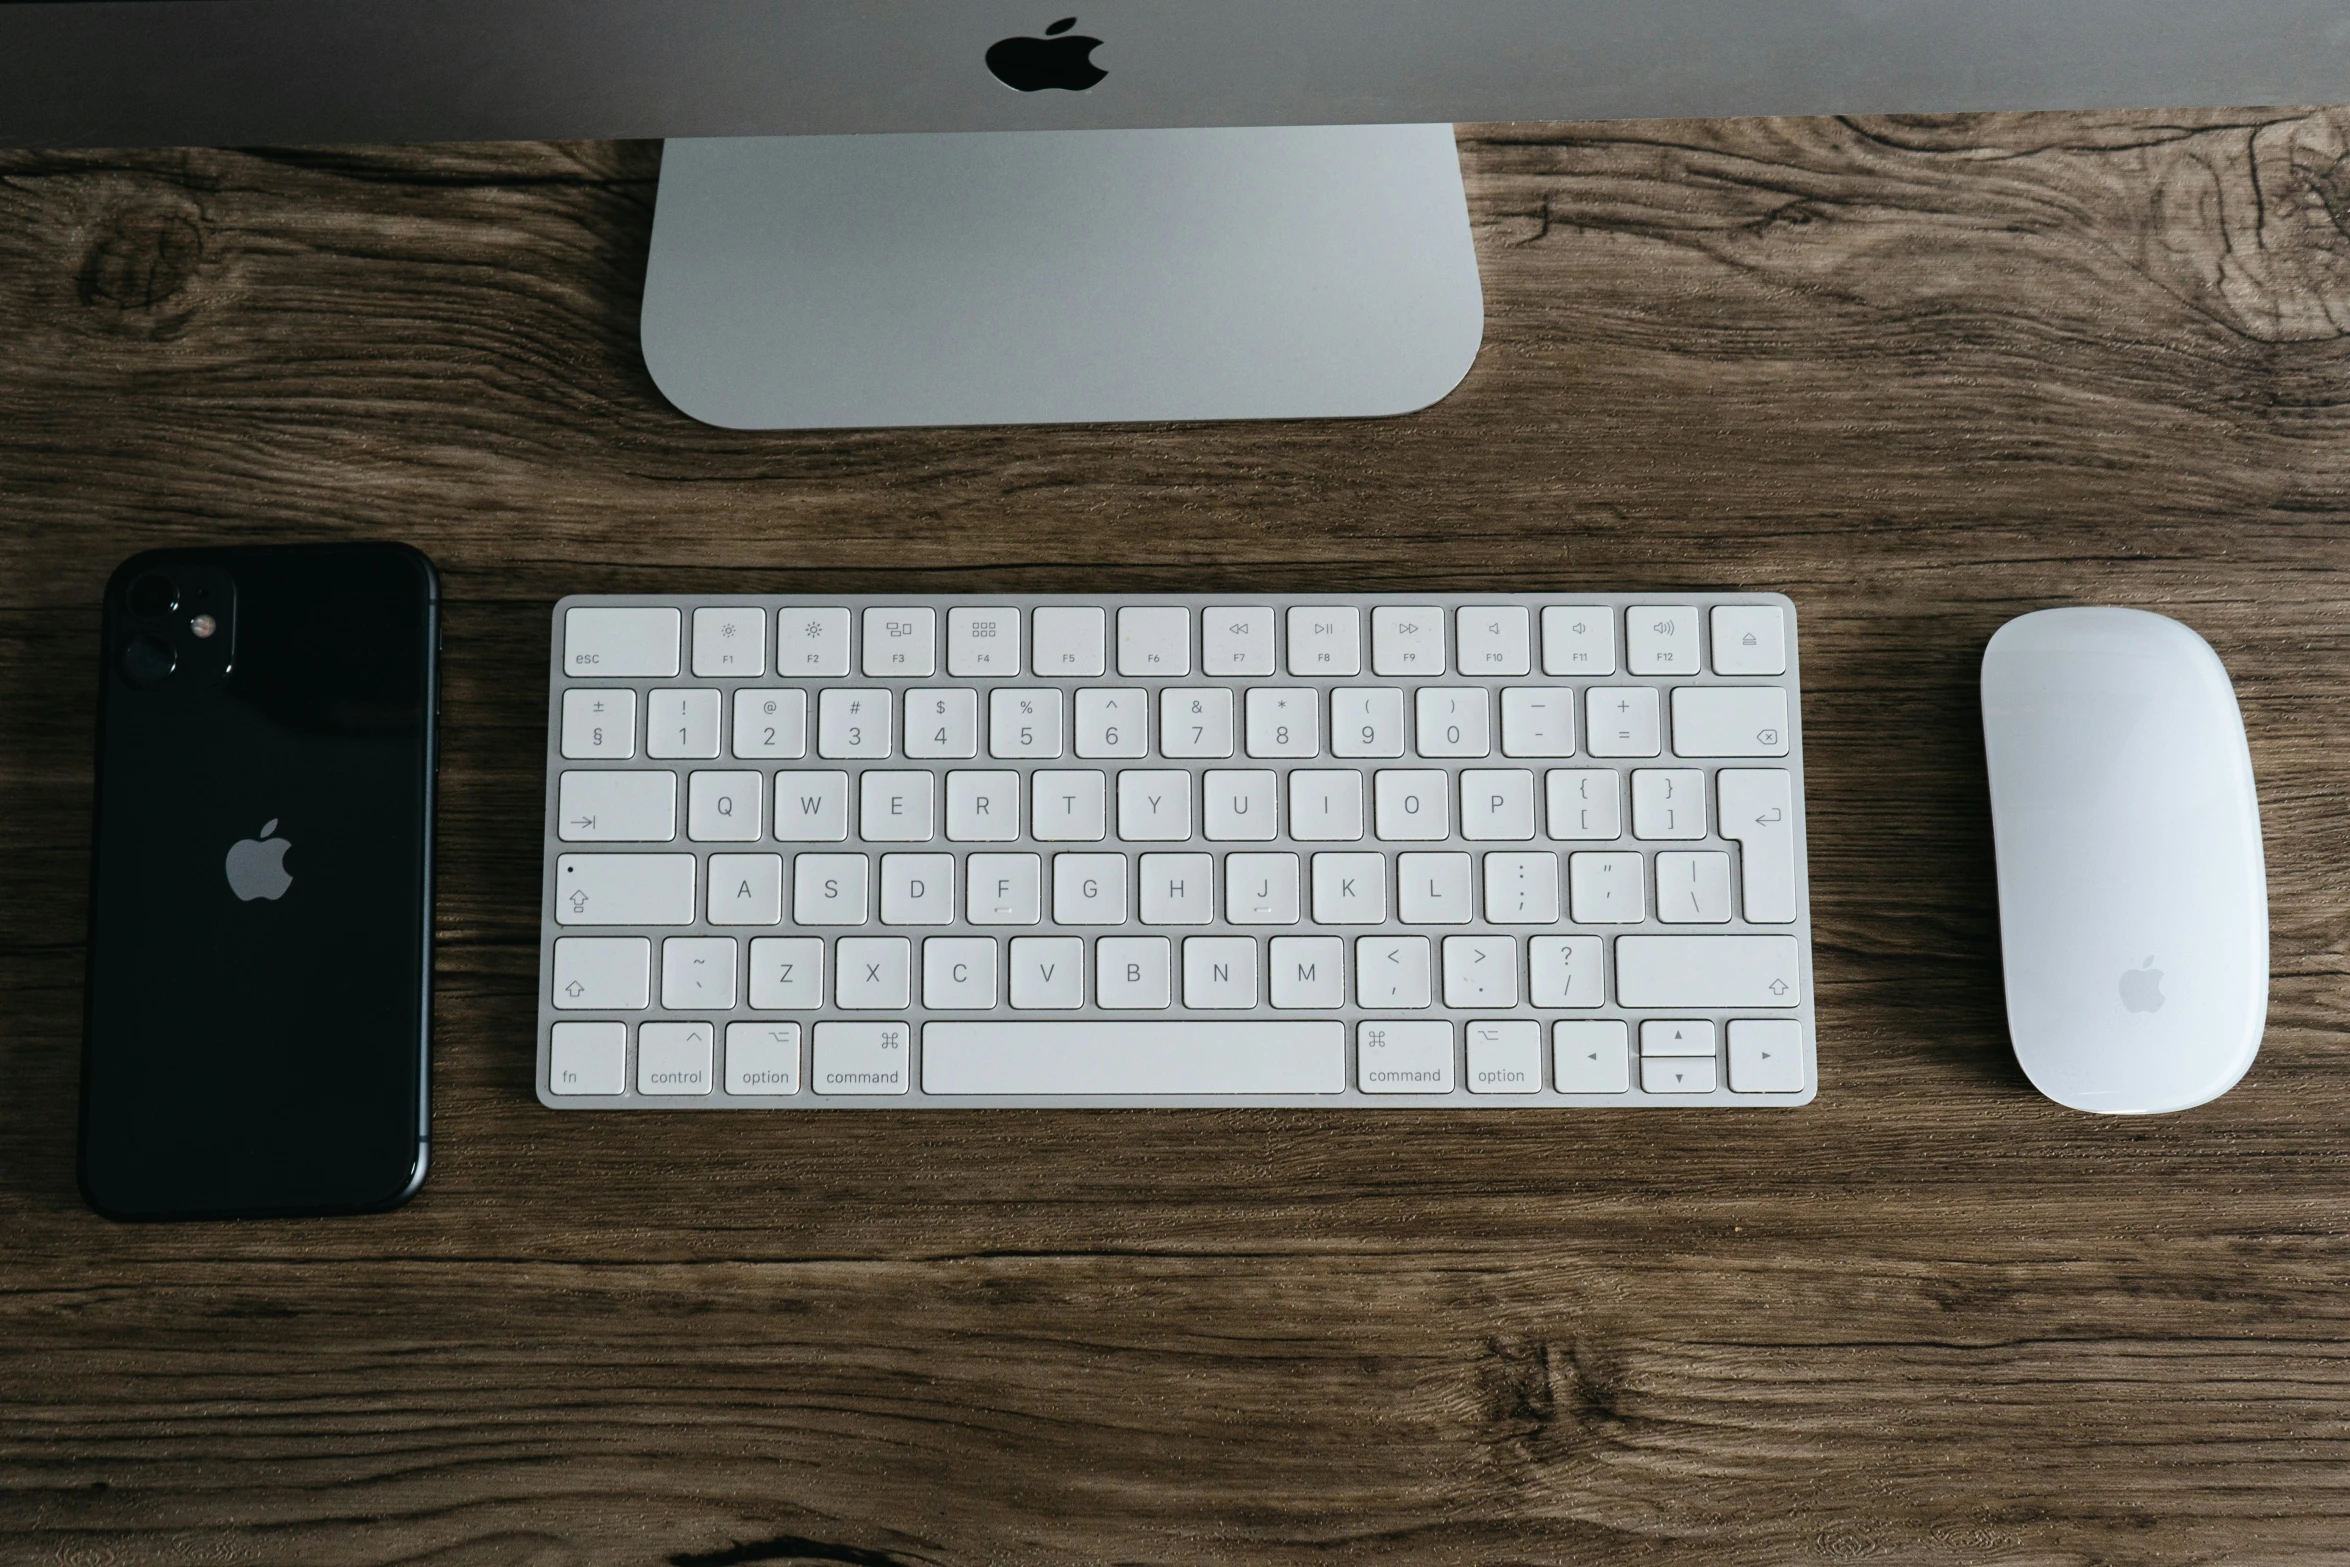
[[1110, 1058]]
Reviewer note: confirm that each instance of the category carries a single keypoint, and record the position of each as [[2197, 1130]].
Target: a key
[[1661, 639], [1497, 804], [746, 889], [1067, 640], [1195, 722], [897, 807], [812, 642], [1537, 721], [1677, 1037], [599, 725], [811, 807], [1693, 889], [1133, 974], [1453, 721], [1410, 1056], [1239, 807], [1668, 803], [624, 889], [1494, 640], [1522, 889], [983, 807], [1236, 641], [1585, 804], [1578, 639], [1177, 889], [587, 1058], [1350, 889], [1089, 889], [603, 973], [1621, 721], [1325, 639], [619, 643], [1366, 721], [1283, 721], [730, 640], [1048, 974], [830, 889], [1505, 1056], [1730, 721], [854, 724], [959, 973], [616, 807], [1565, 971], [872, 973], [1220, 972], [917, 889], [1116, 1056], [1749, 639], [1024, 723], [1306, 972], [1391, 972], [1591, 1058], [1678, 1075], [673, 1058], [1606, 889], [861, 1058], [681, 724], [723, 807], [1068, 807], [1757, 808], [1433, 889], [1154, 641], [1412, 804], [1708, 971], [1766, 1056], [1407, 640], [1480, 971], [942, 723], [1325, 806], [762, 1058], [697, 973], [1113, 722], [984, 642], [1154, 806], [1260, 889], [787, 974], [901, 642], [770, 723], [1004, 889]]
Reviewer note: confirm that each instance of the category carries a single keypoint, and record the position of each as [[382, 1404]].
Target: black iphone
[[260, 980]]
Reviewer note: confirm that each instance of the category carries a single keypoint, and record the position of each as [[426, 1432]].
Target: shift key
[[624, 889], [1708, 971]]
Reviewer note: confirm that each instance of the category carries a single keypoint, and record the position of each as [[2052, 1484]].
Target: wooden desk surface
[[1922, 375]]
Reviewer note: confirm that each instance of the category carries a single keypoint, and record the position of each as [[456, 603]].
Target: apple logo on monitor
[[1059, 59]]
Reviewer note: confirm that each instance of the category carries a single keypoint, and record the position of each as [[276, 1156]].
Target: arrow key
[[1679, 1075], [1766, 1056], [1591, 1057]]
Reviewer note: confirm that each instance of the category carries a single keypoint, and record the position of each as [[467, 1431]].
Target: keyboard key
[[1480, 971], [1325, 806], [830, 889], [853, 724], [1538, 721], [1586, 805], [1591, 1058], [1565, 971], [1661, 639], [1678, 1075], [1677, 1037], [1113, 1057], [862, 1058], [1749, 639], [1606, 889], [1283, 721], [1349, 889], [1578, 639], [1729, 721], [1089, 889], [901, 642], [1668, 802], [615, 643], [1522, 889], [1260, 889], [1067, 640], [1621, 721], [1236, 641], [983, 807], [1239, 807], [984, 642], [681, 724], [1178, 889], [1407, 640], [1505, 1056], [872, 973], [787, 974], [1048, 974], [746, 889], [1154, 807], [763, 1058], [603, 973], [673, 1058], [1497, 804], [730, 641], [1005, 889], [1432, 889], [1391, 972], [1758, 810], [942, 723], [1409, 1057], [1454, 721], [959, 973], [614, 807], [1708, 971], [697, 974], [917, 889], [599, 725], [1133, 974], [1412, 805], [1693, 889], [1195, 722], [1113, 722], [587, 1058], [1494, 640], [624, 889], [1068, 807], [724, 807], [1366, 721], [1220, 972], [1154, 641], [1024, 723], [1307, 972], [1766, 1056], [811, 807], [897, 807], [1325, 639], [770, 722], [812, 642]]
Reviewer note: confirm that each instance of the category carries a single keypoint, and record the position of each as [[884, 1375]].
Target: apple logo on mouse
[[257, 866], [2142, 988], [1059, 59]]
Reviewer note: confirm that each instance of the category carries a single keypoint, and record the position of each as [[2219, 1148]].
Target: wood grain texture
[[1921, 375]]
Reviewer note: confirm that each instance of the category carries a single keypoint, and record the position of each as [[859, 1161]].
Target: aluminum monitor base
[[1046, 277]]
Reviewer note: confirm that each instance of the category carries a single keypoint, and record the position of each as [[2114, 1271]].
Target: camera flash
[[203, 625]]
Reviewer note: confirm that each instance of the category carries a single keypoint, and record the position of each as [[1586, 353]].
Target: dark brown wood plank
[[1919, 374]]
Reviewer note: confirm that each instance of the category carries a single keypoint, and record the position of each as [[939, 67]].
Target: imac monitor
[[907, 212]]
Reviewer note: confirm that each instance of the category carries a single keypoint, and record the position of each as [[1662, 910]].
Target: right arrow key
[[1766, 1056]]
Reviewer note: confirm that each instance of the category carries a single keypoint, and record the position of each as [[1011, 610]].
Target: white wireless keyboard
[[1542, 849]]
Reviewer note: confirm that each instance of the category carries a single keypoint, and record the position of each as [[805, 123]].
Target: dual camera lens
[[150, 658]]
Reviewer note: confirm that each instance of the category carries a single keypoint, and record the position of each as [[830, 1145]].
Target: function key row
[[1158, 641]]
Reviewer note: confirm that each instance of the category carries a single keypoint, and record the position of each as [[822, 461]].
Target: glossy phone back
[[259, 997]]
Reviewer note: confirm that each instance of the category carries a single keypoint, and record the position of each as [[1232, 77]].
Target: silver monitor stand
[[1044, 277]]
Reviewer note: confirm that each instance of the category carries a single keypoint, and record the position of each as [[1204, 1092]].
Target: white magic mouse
[[2133, 901]]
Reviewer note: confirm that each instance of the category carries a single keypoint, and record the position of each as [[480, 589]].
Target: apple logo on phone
[[257, 866], [1059, 59]]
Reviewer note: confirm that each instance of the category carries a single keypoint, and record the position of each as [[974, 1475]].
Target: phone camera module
[[154, 596], [148, 661]]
